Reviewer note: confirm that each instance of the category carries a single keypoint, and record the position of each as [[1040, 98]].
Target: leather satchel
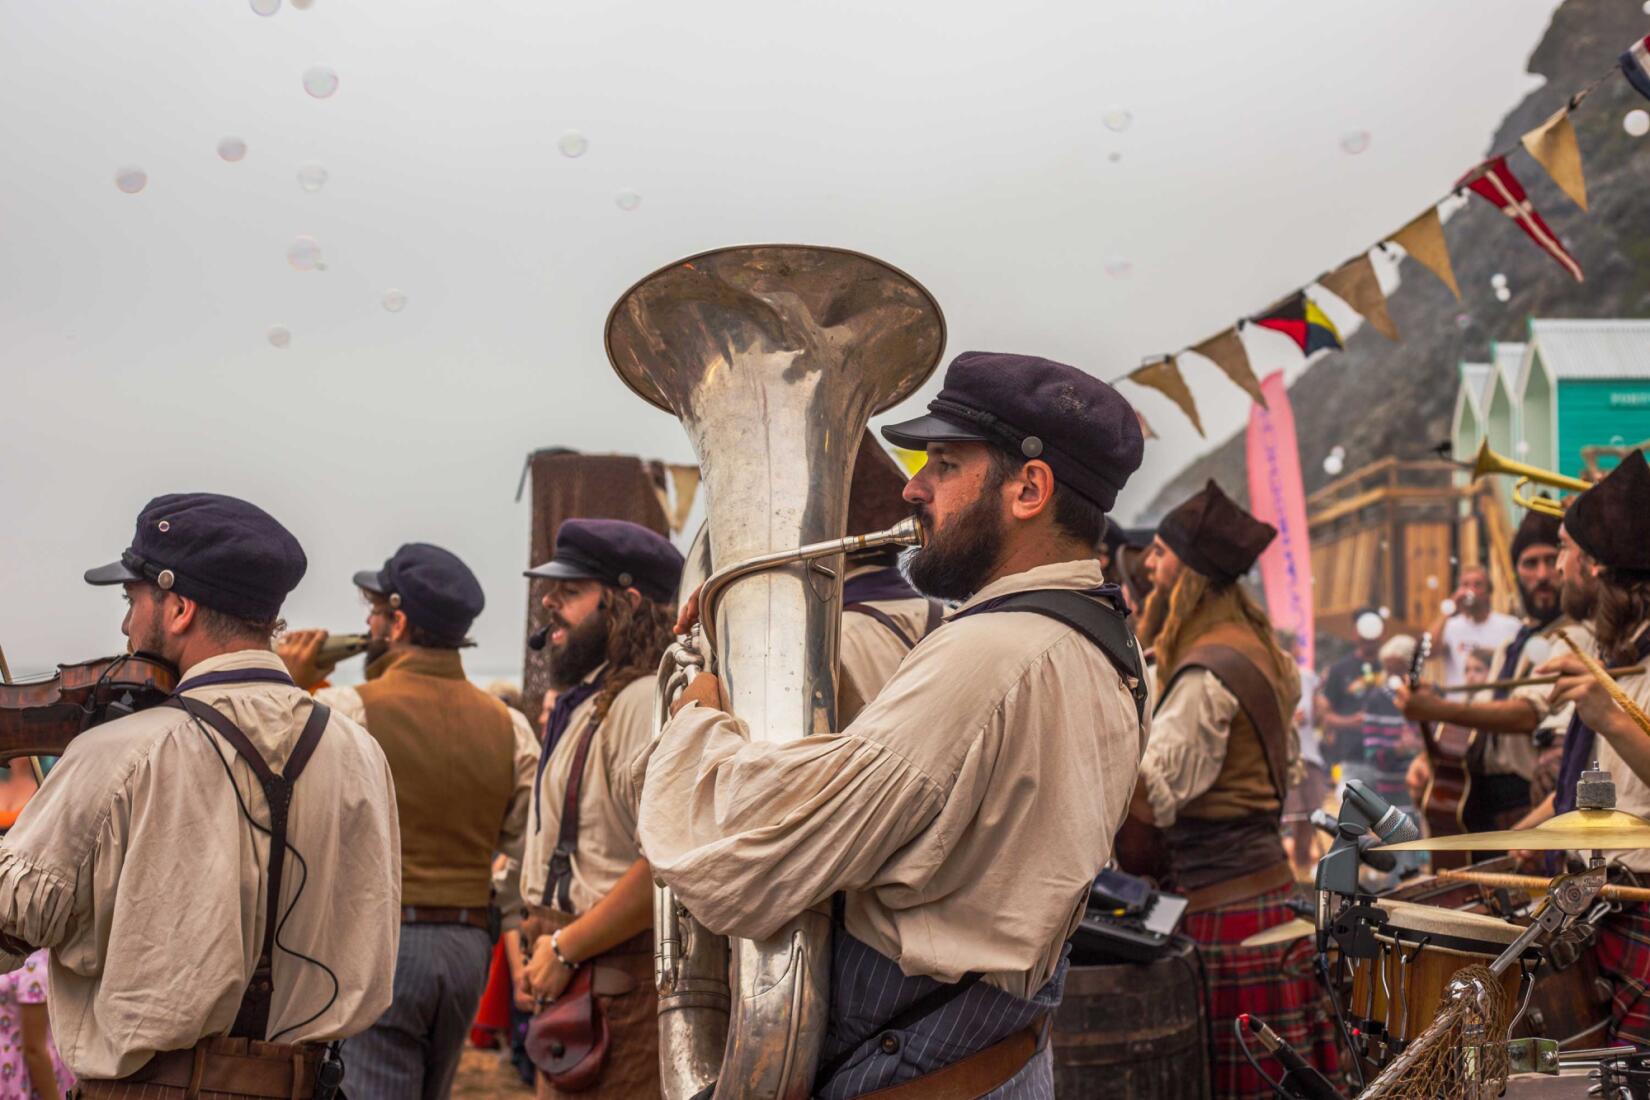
[[568, 1040]]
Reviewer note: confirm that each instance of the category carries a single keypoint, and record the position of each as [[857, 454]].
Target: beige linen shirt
[[506, 886], [869, 652], [135, 864], [1632, 789], [965, 812], [607, 819], [1187, 747]]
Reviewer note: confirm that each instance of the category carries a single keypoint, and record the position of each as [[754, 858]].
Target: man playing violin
[[216, 877]]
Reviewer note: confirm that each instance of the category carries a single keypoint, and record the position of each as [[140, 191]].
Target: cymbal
[[1579, 829], [1283, 933]]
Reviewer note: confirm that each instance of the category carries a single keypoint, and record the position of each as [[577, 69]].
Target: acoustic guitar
[[1450, 787]]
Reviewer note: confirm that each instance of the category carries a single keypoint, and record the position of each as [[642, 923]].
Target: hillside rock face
[[1378, 398]]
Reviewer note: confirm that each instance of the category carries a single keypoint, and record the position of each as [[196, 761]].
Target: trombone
[[1488, 462]]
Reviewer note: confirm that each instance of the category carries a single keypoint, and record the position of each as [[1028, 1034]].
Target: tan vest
[[451, 749], [1244, 786]]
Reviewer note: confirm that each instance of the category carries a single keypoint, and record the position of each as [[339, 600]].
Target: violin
[[41, 717]]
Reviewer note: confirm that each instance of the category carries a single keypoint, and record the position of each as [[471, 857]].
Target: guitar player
[[1510, 724]]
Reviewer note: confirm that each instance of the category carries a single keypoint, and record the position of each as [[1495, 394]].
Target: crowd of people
[[273, 886]]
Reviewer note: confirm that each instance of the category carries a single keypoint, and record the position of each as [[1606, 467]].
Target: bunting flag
[[1553, 145], [1145, 428], [1423, 241], [1494, 182], [1164, 376], [1226, 352], [684, 486], [1635, 66], [1300, 319], [1356, 284]]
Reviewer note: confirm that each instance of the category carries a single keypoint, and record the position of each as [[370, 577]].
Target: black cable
[[1201, 976], [1243, 1045], [1322, 959], [303, 865]]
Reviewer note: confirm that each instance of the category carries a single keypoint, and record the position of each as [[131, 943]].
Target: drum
[[1421, 948]]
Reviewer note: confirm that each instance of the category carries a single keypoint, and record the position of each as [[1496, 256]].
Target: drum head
[[1452, 929]]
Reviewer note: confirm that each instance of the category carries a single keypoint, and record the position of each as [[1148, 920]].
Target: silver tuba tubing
[[773, 357]]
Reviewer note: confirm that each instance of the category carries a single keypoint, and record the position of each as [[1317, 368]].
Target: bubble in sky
[[1502, 294], [1647, 7], [1384, 612], [1447, 607], [1117, 119], [231, 149], [1338, 451], [573, 144], [1463, 321], [1333, 464], [628, 200], [280, 336], [1498, 280], [1119, 267], [320, 81], [394, 300], [266, 7], [1522, 447], [1617, 441], [131, 180], [312, 177], [1454, 560], [1432, 582], [1369, 626], [304, 254], [1636, 122], [1354, 141]]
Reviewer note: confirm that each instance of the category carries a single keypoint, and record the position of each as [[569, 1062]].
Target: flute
[[1528, 681]]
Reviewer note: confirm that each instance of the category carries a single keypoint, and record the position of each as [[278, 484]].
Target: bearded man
[[1503, 757], [463, 764], [960, 819], [1214, 778]]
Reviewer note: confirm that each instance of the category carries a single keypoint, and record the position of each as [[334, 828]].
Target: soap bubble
[[303, 5], [1647, 7], [1454, 560], [304, 254], [627, 200], [312, 177], [1432, 582], [131, 180], [1636, 122], [266, 7], [394, 300], [1502, 294], [1522, 447], [1498, 280], [320, 81], [1115, 158], [1117, 119], [1369, 626], [1338, 451], [1384, 612], [1354, 141], [1446, 607], [1119, 267], [573, 144], [280, 336], [1463, 321], [231, 149], [1333, 464]]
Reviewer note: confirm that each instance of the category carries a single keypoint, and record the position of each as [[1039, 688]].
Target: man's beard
[[1542, 602], [376, 648], [1577, 602], [581, 654], [955, 562], [150, 636]]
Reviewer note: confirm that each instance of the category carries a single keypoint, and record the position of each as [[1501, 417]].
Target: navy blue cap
[[221, 552], [615, 552], [435, 590], [1085, 430]]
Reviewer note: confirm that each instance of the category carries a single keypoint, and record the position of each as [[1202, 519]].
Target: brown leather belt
[[239, 1067], [427, 914], [1242, 888], [975, 1076]]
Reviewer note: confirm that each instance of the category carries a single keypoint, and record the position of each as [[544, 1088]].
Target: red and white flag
[[1494, 182]]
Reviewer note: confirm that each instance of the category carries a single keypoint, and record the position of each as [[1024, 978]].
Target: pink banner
[[1277, 496]]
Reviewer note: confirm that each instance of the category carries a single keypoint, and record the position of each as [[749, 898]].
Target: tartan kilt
[[1273, 983], [1623, 947]]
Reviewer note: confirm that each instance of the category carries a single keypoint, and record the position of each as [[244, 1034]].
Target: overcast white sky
[[962, 141]]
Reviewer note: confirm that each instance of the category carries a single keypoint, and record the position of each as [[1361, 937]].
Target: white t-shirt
[[1462, 635]]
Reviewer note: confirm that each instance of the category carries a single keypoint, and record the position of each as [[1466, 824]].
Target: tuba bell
[[1487, 463], [774, 357]]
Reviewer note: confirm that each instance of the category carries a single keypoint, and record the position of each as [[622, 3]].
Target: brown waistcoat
[[451, 750]]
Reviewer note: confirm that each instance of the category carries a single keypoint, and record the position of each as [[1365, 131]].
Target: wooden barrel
[[1132, 1032]]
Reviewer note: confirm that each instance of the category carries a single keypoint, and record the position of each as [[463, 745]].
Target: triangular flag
[[1162, 375], [1553, 145], [1356, 284], [1635, 66], [1300, 319], [1145, 428], [1423, 240], [1226, 352], [684, 486], [1494, 182]]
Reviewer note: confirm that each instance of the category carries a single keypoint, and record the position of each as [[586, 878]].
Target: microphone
[[1386, 821], [537, 639], [1299, 1078], [1380, 861]]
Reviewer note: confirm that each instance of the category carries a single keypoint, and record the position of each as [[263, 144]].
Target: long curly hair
[[1194, 593], [1623, 607], [637, 637]]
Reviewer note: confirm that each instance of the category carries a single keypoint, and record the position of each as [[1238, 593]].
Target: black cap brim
[[562, 571], [916, 434], [116, 572], [373, 581]]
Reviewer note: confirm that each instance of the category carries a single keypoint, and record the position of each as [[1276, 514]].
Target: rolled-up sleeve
[[1187, 746], [749, 834]]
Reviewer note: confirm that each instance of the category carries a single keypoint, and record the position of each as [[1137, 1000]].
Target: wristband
[[555, 949]]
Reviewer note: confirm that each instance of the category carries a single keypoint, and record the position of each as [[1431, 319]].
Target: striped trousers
[[868, 989]]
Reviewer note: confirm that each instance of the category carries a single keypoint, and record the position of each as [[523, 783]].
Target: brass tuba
[[774, 357], [1487, 462]]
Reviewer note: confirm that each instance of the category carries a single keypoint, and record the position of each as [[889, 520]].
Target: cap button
[[164, 578], [164, 526], [626, 580], [395, 599], [1031, 446]]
